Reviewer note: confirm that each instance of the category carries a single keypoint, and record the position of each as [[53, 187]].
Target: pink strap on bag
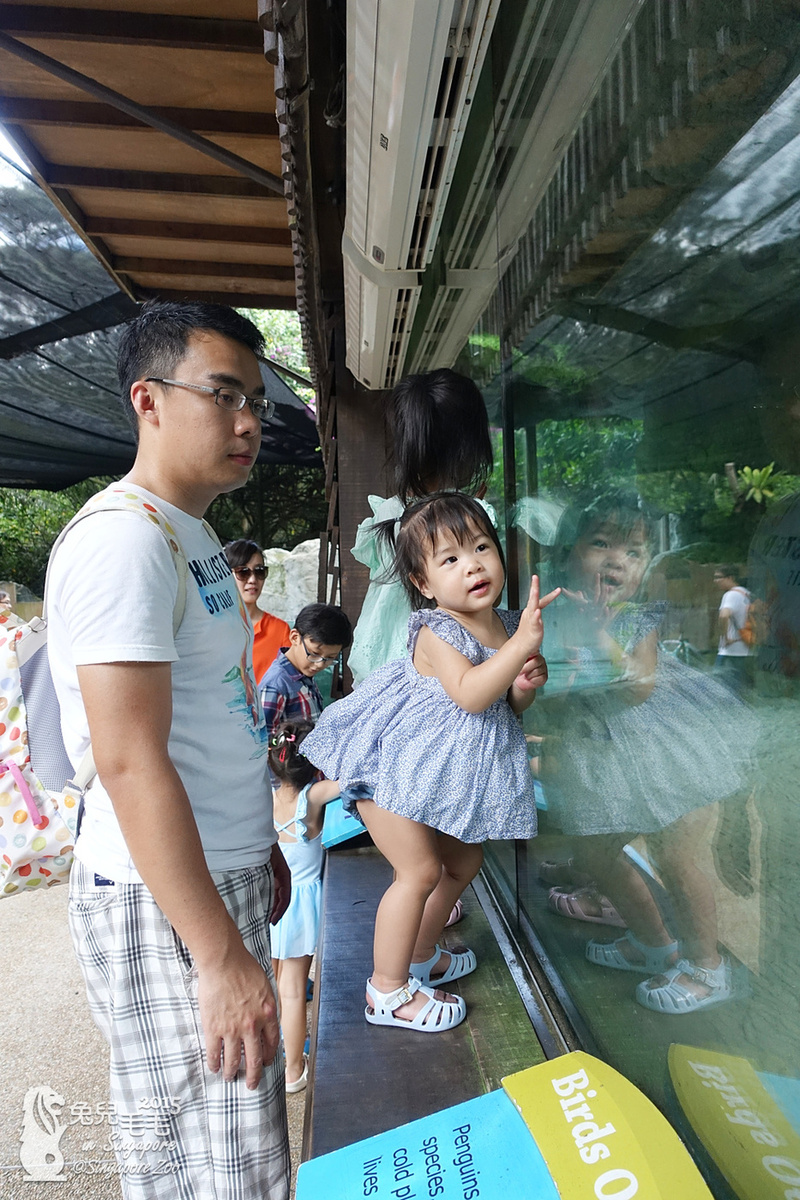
[[17, 776]]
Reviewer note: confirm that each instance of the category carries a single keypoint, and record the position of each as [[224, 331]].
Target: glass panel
[[641, 361]]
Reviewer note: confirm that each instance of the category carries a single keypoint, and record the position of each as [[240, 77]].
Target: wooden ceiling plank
[[100, 91], [153, 75], [152, 181], [180, 266], [18, 109], [148, 150], [204, 250], [264, 210], [188, 230], [240, 10], [132, 28], [223, 284]]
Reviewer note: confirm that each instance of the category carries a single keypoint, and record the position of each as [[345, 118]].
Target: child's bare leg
[[691, 891], [602, 857], [461, 862], [292, 979], [413, 851]]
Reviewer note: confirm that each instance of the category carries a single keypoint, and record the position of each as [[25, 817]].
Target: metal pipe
[[141, 113]]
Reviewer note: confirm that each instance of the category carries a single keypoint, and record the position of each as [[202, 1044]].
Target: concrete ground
[[49, 1040]]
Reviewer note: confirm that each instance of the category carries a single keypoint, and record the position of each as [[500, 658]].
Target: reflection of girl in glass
[[637, 743]]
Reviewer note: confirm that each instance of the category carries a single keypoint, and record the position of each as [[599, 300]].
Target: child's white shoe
[[462, 962], [435, 1016]]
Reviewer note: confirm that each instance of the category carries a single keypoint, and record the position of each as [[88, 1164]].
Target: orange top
[[271, 635]]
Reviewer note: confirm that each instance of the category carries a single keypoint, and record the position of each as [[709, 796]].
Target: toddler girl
[[435, 736], [298, 803]]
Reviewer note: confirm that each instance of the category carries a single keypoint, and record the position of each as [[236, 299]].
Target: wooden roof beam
[[53, 67], [18, 110], [187, 230], [180, 266], [132, 28], [152, 181]]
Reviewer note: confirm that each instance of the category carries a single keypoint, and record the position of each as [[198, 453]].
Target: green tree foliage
[[284, 341], [30, 523], [278, 506], [583, 456]]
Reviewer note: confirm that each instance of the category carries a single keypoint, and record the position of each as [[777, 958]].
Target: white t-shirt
[[737, 601], [112, 591]]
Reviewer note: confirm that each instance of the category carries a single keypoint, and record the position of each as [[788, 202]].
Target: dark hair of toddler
[[440, 435], [286, 762]]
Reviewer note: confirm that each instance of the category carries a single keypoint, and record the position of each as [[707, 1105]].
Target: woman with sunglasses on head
[[246, 560]]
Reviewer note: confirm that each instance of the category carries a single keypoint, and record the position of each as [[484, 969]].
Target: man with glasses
[[288, 691], [178, 871]]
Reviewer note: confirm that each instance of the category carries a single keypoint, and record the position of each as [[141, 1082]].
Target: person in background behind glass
[[733, 654], [271, 634]]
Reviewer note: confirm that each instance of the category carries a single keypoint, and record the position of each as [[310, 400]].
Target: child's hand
[[530, 623], [533, 675]]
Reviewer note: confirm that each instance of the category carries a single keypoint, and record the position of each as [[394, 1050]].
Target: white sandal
[[675, 998], [461, 963], [299, 1085], [434, 1017], [608, 954]]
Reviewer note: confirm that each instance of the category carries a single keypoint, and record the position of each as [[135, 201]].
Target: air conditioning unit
[[479, 251], [412, 68]]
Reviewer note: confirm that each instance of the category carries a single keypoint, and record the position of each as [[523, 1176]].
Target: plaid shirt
[[287, 694]]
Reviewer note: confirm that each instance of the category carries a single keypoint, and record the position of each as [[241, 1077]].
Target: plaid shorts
[[178, 1130]]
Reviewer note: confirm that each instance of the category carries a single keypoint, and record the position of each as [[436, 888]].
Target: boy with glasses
[[288, 691]]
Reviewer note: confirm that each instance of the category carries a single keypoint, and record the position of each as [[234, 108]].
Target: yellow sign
[[599, 1136], [741, 1125]]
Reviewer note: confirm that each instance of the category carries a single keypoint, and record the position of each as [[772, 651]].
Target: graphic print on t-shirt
[[208, 574], [213, 577]]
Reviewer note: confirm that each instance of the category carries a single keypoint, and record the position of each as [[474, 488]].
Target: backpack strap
[[121, 498], [744, 592]]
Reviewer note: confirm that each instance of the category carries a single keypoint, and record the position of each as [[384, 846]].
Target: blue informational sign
[[479, 1150], [572, 1128]]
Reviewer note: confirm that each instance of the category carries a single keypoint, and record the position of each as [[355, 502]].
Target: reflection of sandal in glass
[[561, 874], [674, 998], [574, 905], [434, 1017], [462, 962], [655, 959]]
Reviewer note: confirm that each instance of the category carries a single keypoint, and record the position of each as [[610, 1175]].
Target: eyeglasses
[[244, 573], [226, 397], [317, 658]]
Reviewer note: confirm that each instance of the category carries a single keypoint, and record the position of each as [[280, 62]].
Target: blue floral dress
[[400, 734], [612, 767]]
